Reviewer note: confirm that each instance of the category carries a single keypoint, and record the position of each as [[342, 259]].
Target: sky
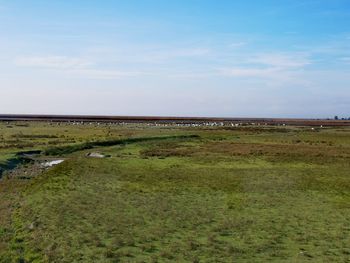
[[224, 58]]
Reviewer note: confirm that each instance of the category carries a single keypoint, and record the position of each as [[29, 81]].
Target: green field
[[176, 194]]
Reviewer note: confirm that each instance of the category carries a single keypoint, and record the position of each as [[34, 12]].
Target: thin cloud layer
[[52, 62], [226, 58]]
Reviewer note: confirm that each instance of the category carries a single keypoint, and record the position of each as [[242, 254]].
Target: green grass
[[245, 195], [90, 145]]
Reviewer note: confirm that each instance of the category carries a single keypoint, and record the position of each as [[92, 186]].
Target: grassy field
[[245, 194]]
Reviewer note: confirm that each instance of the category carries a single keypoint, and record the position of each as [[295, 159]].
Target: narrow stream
[[30, 156]]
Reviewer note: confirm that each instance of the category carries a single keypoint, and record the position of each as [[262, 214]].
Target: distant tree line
[[337, 118]]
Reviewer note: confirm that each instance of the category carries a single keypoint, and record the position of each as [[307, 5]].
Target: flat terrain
[[161, 119], [175, 194]]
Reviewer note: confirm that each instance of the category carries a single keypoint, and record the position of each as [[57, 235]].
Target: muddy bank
[[21, 158], [13, 163], [27, 168]]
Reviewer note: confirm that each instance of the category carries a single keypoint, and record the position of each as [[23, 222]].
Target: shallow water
[[52, 163], [12, 163]]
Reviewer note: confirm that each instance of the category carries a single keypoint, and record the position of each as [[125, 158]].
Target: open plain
[[173, 193]]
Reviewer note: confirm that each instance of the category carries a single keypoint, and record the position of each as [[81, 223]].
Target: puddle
[[52, 163], [96, 155]]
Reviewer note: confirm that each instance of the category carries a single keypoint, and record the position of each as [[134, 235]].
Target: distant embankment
[[148, 119]]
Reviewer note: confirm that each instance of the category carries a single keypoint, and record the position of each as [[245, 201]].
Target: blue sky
[[176, 57]]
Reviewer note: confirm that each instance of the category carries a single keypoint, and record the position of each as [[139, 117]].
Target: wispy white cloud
[[159, 55], [281, 60], [250, 72], [191, 52], [274, 69], [105, 74], [267, 77], [345, 59], [237, 44], [73, 67], [52, 62]]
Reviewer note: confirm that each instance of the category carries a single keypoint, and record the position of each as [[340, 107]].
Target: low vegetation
[[172, 194], [89, 145]]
